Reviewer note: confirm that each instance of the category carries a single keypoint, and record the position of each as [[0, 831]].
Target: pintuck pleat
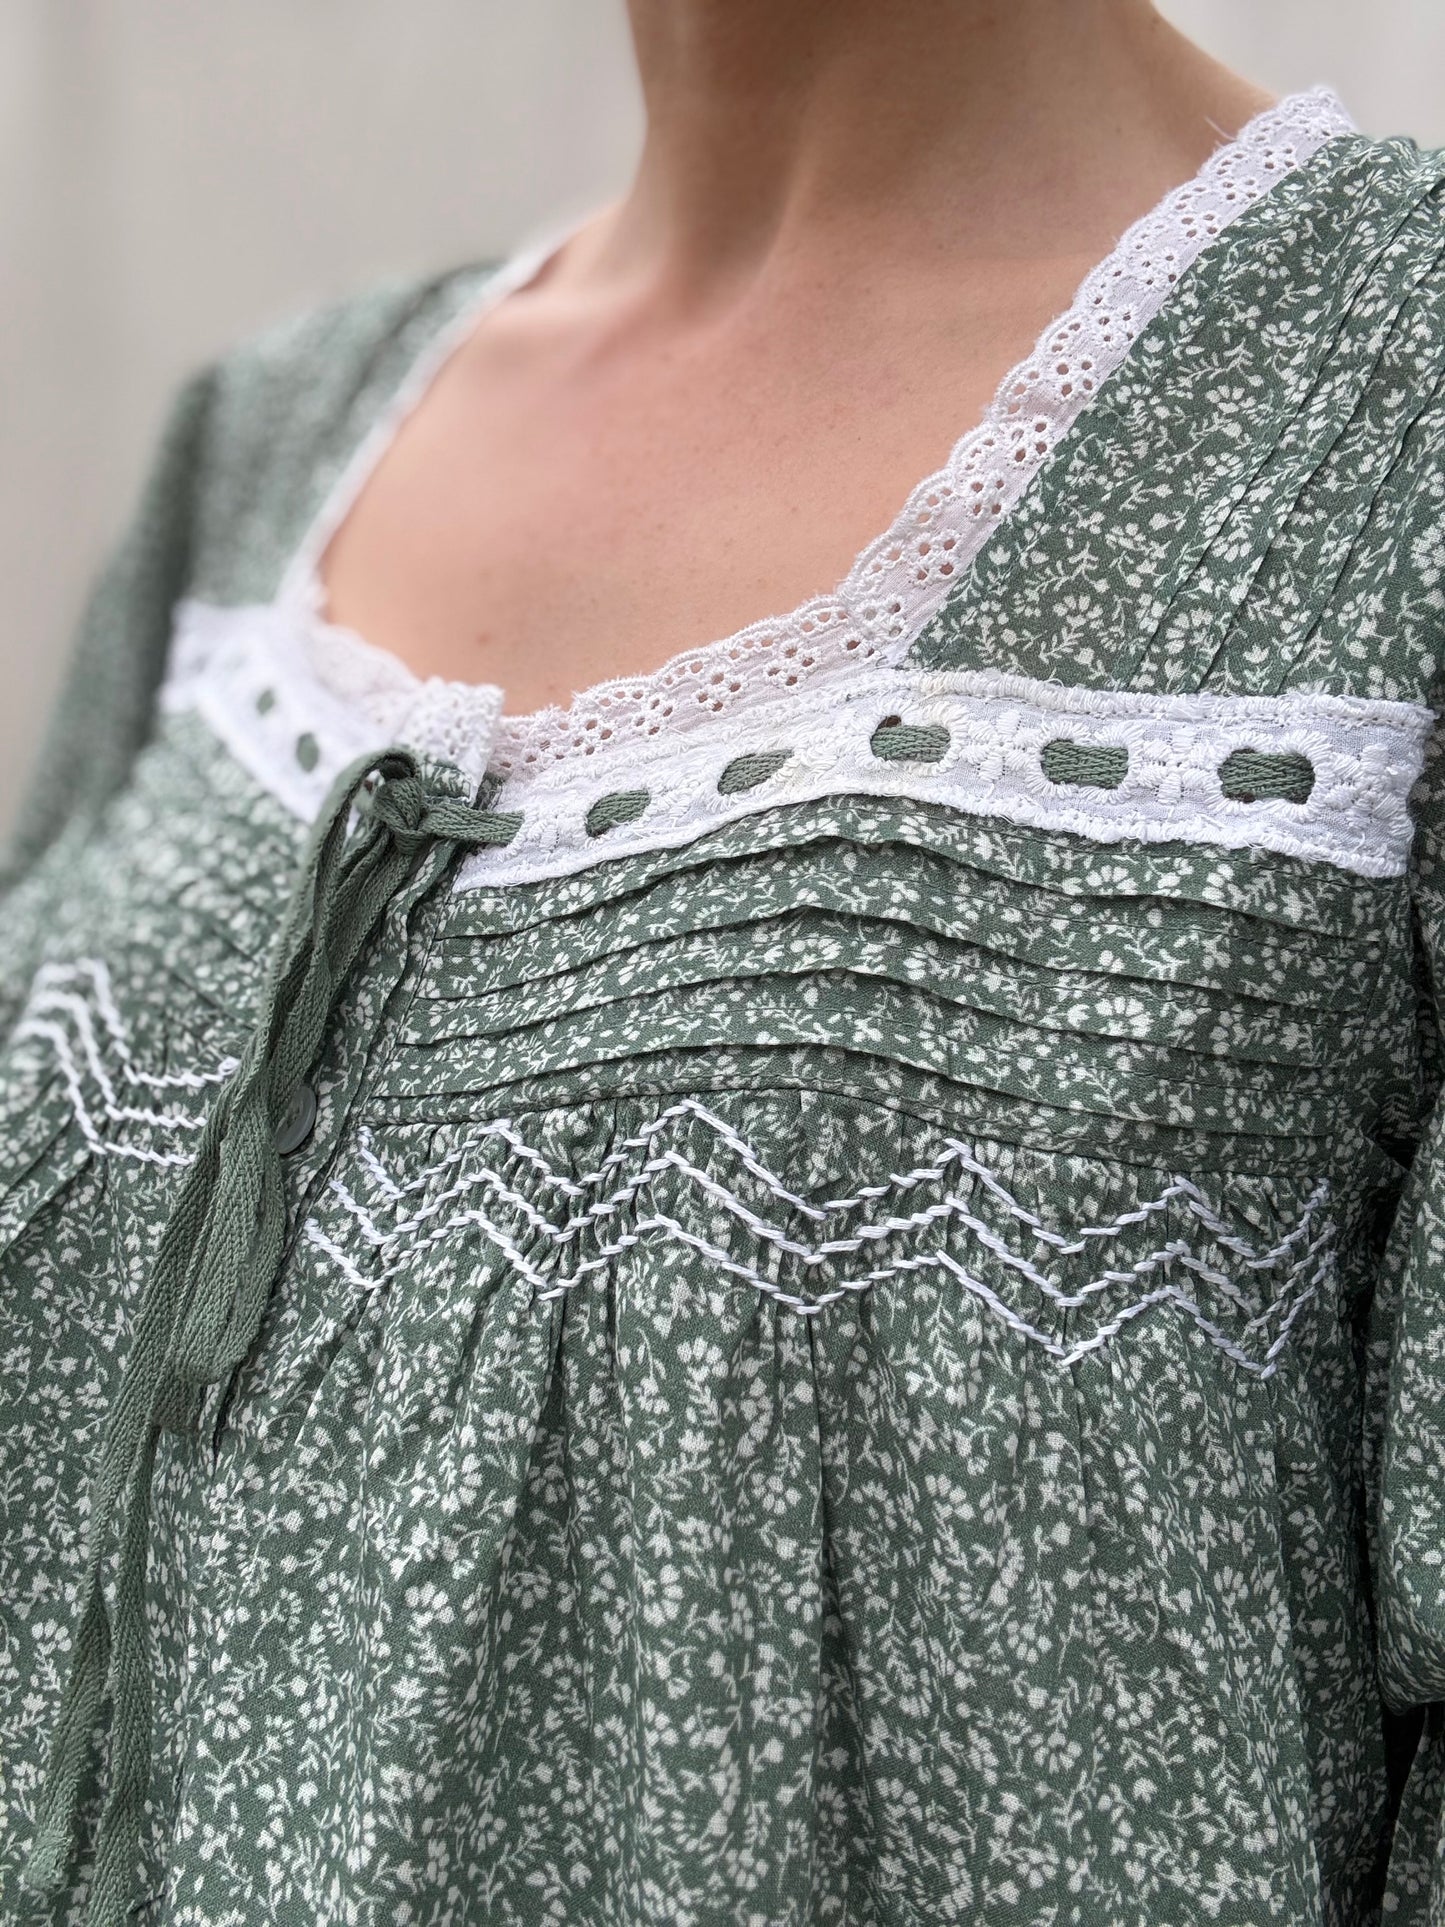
[[785, 1399], [860, 1367]]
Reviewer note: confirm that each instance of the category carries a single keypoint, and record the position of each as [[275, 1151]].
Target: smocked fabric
[[873, 1358]]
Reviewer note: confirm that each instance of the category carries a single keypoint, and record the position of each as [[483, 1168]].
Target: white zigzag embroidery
[[58, 1013], [1305, 1252], [57, 1016]]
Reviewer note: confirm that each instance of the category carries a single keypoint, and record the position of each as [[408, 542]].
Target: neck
[[768, 120]]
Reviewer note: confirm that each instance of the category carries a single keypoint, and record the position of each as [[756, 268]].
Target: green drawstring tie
[[217, 1259]]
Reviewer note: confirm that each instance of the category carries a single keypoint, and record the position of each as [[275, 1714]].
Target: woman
[[774, 1283]]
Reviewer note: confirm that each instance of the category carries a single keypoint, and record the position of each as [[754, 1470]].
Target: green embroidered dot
[[746, 772], [265, 702], [1094, 766], [898, 742], [1264, 776], [622, 806], [308, 751]]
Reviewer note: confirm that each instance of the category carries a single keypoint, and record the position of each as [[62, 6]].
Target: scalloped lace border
[[978, 742], [899, 582]]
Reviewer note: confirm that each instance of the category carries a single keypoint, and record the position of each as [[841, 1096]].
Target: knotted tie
[[215, 1265]]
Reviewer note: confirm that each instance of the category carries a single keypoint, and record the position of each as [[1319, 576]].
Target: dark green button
[[299, 1122]]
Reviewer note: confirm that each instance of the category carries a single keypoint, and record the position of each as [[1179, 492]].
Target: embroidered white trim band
[[979, 742], [239, 669], [985, 744]]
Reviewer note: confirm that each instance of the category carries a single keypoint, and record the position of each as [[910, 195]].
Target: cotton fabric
[[882, 1364]]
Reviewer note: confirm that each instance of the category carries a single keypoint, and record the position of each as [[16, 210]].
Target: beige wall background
[[174, 173]]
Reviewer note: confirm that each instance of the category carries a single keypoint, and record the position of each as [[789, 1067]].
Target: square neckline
[[900, 579]]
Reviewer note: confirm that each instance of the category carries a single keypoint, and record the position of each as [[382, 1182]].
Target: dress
[[810, 1294]]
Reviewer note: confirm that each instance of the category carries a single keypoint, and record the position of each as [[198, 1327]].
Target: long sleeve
[[1405, 1443], [252, 443], [118, 653]]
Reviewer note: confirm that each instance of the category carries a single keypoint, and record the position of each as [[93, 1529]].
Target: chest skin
[[582, 492]]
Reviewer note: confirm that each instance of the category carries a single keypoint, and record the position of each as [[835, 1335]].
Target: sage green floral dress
[[813, 1293]]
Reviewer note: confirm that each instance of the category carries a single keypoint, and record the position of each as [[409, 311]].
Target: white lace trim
[[240, 670], [608, 1212], [990, 733], [985, 756], [901, 580]]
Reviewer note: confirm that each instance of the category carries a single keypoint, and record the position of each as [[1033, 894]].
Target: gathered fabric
[[820, 1307], [214, 1268]]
